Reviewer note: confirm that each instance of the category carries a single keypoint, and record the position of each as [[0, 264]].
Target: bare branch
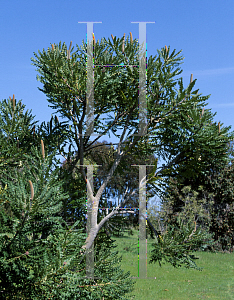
[[117, 159], [108, 128]]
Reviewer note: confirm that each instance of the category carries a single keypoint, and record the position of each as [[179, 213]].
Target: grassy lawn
[[215, 281]]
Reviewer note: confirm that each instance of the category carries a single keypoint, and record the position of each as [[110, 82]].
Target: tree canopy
[[178, 126]]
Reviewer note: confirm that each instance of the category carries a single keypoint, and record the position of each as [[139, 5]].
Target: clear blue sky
[[203, 29]]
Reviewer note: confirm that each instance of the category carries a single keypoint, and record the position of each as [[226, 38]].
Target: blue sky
[[204, 30]]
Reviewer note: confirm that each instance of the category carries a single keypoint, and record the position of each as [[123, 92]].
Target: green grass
[[215, 281]]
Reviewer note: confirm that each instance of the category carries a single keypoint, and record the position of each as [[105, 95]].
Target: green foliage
[[192, 148], [40, 258], [40, 255], [42, 236], [214, 282], [183, 224], [210, 205], [64, 83], [179, 129], [124, 177], [190, 206], [16, 133], [222, 224], [177, 243], [74, 208]]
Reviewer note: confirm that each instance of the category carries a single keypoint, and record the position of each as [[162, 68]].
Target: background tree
[[223, 214], [74, 208], [210, 204], [126, 177]]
